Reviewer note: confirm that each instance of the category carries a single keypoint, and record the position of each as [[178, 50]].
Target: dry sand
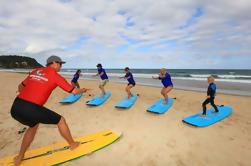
[[148, 139]]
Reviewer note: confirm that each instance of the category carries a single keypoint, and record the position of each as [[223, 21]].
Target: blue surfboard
[[126, 103], [70, 99], [211, 118], [98, 100], [160, 107]]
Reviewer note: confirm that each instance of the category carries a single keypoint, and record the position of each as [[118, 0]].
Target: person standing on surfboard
[[28, 106], [103, 77], [74, 81], [211, 91], [166, 80], [131, 82]]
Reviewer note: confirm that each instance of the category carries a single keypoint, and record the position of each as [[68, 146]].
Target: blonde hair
[[211, 78], [163, 69]]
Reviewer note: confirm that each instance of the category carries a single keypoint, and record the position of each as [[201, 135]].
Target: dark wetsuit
[[211, 91], [130, 79], [75, 78]]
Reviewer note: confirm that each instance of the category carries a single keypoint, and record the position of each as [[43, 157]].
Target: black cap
[[99, 65]]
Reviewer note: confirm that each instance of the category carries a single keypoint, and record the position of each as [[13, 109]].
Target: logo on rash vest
[[39, 73], [38, 76]]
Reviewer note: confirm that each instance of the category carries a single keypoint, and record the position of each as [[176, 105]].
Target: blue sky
[[138, 34]]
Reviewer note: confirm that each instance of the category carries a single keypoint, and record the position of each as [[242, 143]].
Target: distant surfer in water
[[211, 91], [131, 82], [28, 106], [74, 81], [166, 80]]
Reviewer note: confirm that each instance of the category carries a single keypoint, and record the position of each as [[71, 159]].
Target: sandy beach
[[148, 139]]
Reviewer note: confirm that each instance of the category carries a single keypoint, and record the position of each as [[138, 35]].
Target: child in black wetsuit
[[211, 91]]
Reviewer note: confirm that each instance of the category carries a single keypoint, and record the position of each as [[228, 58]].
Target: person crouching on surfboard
[[211, 91], [131, 82], [103, 77], [74, 81], [28, 106], [166, 80]]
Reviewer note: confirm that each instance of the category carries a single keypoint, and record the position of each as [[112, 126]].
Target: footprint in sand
[[231, 138], [4, 144], [220, 126], [171, 144], [131, 146]]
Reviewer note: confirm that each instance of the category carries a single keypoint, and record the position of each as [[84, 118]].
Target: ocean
[[189, 74], [229, 81]]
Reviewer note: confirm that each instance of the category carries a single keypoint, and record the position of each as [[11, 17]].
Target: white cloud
[[41, 28]]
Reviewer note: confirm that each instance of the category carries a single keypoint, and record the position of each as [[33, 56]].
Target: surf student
[[131, 82], [211, 91], [166, 80], [104, 79], [74, 81], [28, 107]]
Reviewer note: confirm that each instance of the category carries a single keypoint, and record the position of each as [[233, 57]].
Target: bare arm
[[101, 73], [96, 75], [79, 91], [128, 77], [124, 77], [155, 77]]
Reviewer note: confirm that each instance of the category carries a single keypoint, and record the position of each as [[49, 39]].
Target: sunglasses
[[60, 63]]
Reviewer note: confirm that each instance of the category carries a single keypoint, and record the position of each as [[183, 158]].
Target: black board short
[[31, 114]]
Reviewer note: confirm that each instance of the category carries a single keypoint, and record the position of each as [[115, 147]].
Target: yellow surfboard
[[59, 152]]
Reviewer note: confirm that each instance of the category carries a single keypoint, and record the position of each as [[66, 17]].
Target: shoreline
[[228, 88], [238, 89]]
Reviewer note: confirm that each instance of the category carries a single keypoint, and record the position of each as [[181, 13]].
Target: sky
[[212, 34]]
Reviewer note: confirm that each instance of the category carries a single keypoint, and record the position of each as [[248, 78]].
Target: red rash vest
[[40, 83]]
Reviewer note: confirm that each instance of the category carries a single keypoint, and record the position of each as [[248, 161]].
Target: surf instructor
[[28, 106]]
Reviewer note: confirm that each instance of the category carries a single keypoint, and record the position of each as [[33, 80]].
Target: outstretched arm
[[98, 74], [101, 73], [155, 77], [95, 75], [62, 83], [125, 77], [79, 91]]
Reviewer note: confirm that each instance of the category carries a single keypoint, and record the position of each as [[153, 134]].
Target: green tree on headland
[[15, 61]]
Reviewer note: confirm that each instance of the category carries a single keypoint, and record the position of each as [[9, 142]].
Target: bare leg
[[128, 90], [102, 90], [73, 84], [164, 95], [165, 91], [77, 84], [65, 132], [27, 139]]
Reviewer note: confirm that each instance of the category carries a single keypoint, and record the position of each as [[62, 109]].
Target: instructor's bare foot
[[18, 160], [74, 145]]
